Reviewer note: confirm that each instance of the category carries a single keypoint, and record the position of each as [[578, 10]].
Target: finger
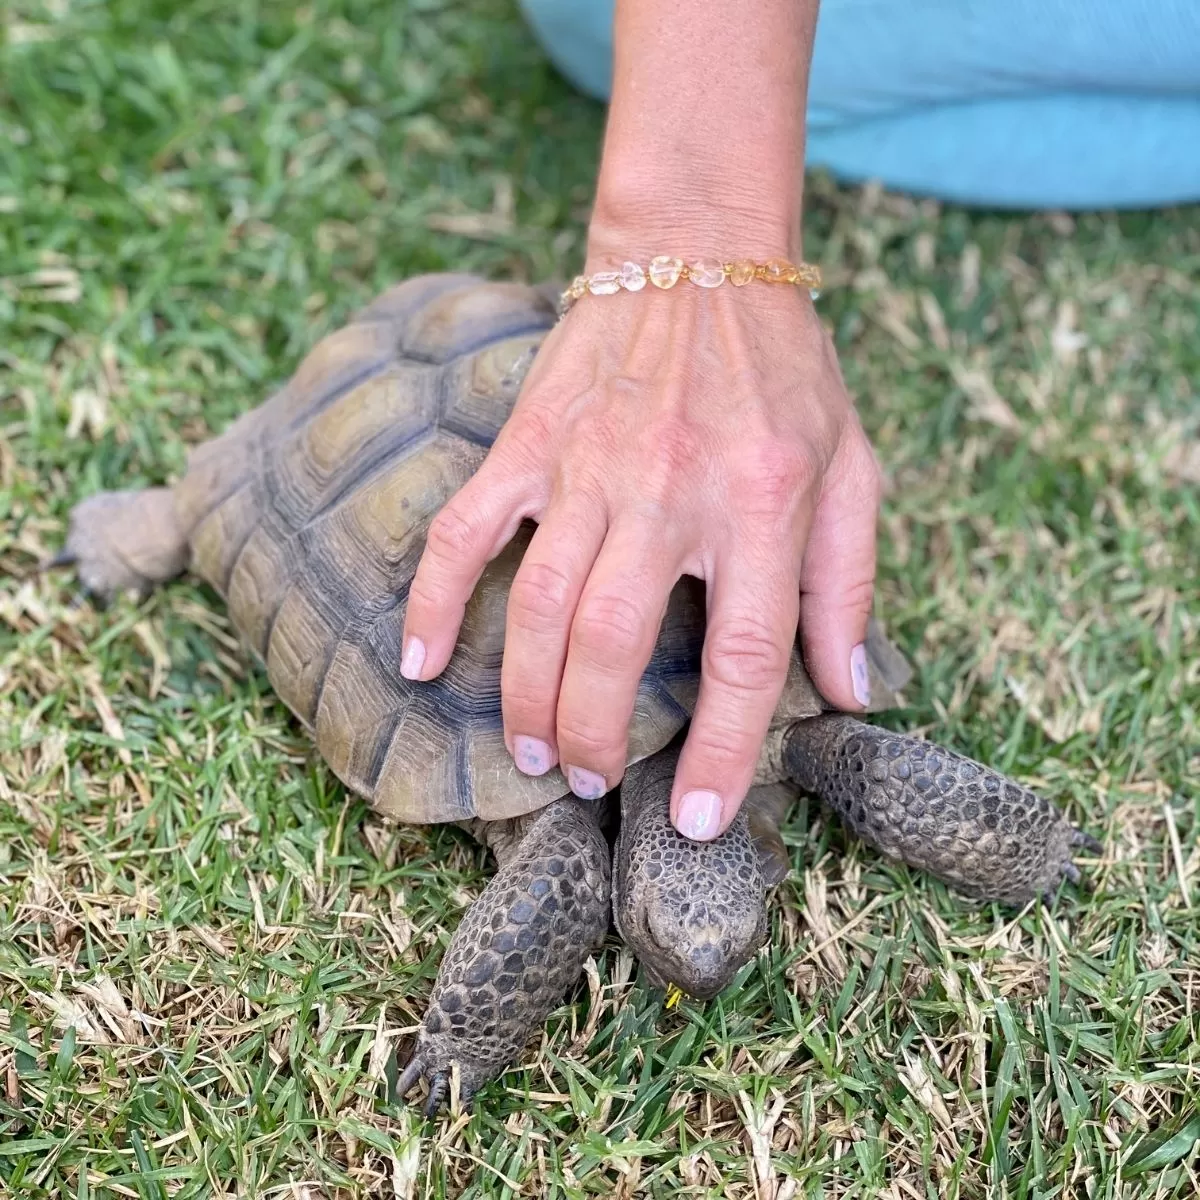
[[753, 608], [612, 637], [837, 580], [541, 606], [470, 530]]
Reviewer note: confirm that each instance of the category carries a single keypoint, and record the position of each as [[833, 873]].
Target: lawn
[[211, 958]]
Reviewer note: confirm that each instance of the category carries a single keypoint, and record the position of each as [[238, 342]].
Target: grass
[[210, 956]]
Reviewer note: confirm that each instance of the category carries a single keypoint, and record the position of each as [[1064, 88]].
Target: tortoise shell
[[309, 515]]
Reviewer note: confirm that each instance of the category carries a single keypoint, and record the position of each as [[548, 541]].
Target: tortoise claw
[[411, 1073], [1068, 871], [438, 1087], [438, 1078], [64, 558], [431, 1064]]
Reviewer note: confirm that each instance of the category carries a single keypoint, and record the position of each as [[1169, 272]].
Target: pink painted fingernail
[[860, 677], [587, 785], [532, 755], [699, 815], [413, 658]]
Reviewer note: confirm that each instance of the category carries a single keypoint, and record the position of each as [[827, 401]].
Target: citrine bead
[[604, 283], [633, 278], [665, 271], [779, 270], [706, 272], [742, 272], [578, 287]]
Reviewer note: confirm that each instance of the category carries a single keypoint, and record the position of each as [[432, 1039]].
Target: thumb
[[837, 579]]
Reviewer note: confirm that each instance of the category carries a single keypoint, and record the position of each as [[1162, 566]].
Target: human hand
[[701, 432]]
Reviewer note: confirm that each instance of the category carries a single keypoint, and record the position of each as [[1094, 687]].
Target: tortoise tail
[[124, 541]]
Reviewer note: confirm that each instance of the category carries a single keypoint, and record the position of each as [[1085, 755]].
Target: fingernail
[[413, 658], [531, 755], [860, 677], [699, 815], [587, 785]]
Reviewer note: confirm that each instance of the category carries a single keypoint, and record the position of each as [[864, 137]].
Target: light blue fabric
[[1006, 103]]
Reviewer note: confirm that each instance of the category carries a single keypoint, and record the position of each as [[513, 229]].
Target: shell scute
[[260, 578], [302, 642], [357, 714], [465, 320]]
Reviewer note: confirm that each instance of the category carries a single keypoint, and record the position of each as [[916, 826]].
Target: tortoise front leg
[[978, 830], [518, 949]]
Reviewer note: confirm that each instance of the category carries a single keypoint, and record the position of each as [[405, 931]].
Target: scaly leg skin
[[981, 832], [692, 912], [124, 541], [518, 949]]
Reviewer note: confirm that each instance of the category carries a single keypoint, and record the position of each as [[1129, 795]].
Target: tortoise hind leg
[[123, 541], [518, 949], [981, 832]]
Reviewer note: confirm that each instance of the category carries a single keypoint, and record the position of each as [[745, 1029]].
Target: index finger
[[752, 614]]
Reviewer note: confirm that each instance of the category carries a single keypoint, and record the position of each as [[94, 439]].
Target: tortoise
[[308, 516]]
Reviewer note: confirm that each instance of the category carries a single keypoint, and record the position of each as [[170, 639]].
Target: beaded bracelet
[[665, 272]]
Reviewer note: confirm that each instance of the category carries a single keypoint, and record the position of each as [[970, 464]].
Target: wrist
[[636, 218]]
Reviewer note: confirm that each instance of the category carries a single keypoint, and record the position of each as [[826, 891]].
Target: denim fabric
[[1005, 103]]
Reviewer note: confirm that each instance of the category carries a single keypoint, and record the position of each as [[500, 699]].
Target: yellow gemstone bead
[[742, 272], [665, 271], [779, 270]]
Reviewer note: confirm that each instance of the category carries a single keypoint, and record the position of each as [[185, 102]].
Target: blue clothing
[[1005, 103]]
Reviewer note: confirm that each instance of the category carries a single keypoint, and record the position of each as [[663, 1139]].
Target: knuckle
[[609, 626], [522, 698], [858, 596], [673, 443], [585, 744], [667, 451], [454, 534], [540, 594], [597, 433], [722, 747], [774, 475], [532, 432], [745, 655], [427, 597]]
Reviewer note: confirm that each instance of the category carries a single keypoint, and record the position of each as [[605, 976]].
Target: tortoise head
[[699, 933], [693, 912]]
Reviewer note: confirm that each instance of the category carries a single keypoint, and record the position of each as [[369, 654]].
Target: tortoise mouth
[[702, 974], [690, 988]]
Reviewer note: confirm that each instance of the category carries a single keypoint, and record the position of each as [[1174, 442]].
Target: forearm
[[704, 151]]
